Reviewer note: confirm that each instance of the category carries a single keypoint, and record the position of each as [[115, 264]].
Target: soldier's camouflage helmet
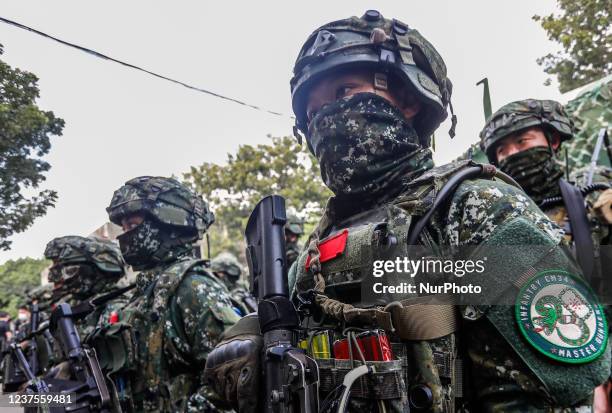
[[166, 200], [385, 46], [227, 263], [294, 225], [73, 249], [524, 114]]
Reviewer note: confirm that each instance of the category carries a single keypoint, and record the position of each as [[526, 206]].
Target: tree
[[17, 277], [24, 139], [282, 167], [584, 31]]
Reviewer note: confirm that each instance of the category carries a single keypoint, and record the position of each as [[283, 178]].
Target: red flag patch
[[331, 248]]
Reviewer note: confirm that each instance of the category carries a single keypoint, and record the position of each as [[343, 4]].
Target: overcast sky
[[121, 123]]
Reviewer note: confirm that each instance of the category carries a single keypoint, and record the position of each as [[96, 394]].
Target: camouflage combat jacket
[[155, 352], [484, 365]]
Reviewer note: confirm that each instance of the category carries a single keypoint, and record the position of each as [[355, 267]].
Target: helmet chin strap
[[549, 137]]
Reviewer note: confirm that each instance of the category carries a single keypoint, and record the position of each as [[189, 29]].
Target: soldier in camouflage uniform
[[156, 349], [523, 138], [368, 92], [294, 228], [83, 269], [227, 268]]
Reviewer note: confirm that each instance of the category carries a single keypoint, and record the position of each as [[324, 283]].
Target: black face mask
[[139, 245], [364, 145], [536, 170]]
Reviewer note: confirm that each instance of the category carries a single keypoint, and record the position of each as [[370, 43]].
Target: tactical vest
[[134, 351], [380, 234], [376, 235]]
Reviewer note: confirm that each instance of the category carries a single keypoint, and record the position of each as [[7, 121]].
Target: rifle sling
[[82, 309], [581, 233]]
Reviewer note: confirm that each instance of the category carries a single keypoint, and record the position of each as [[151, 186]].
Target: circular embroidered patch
[[559, 315]]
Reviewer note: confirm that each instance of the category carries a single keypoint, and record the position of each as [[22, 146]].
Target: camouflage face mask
[[90, 284], [140, 244], [364, 145], [536, 170], [65, 273], [80, 280]]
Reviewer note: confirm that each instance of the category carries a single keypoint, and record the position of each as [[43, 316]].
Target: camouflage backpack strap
[[164, 289], [434, 189]]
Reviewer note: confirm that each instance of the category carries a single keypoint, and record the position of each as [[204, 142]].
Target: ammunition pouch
[[386, 382], [116, 347], [417, 366]]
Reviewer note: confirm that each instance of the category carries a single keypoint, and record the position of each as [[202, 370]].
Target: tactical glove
[[233, 368]]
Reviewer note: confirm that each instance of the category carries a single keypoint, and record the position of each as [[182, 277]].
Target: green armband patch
[[559, 315]]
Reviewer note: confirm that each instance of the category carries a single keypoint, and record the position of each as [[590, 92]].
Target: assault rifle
[[16, 369], [290, 376], [38, 385], [34, 324], [14, 363], [87, 382]]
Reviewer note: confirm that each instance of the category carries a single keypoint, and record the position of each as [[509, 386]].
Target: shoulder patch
[[559, 315]]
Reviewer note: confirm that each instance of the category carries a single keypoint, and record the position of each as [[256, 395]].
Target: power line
[[131, 66]]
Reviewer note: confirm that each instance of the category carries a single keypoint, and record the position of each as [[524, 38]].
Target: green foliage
[[24, 132], [17, 277], [583, 29], [282, 167]]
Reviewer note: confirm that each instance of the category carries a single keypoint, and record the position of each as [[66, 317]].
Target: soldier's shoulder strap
[[435, 188], [173, 275], [421, 192], [165, 286], [82, 309], [581, 231]]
